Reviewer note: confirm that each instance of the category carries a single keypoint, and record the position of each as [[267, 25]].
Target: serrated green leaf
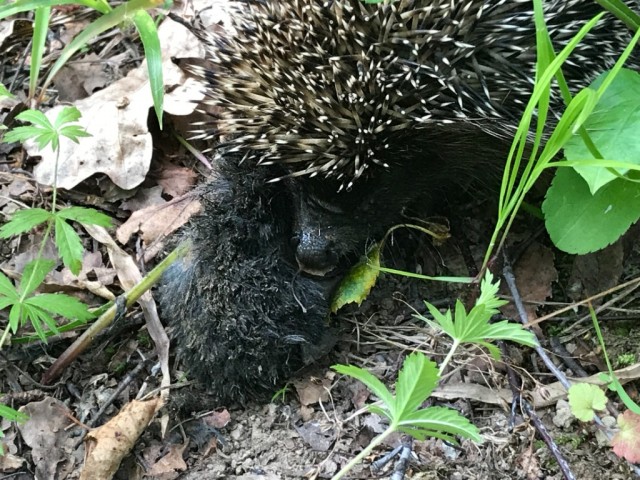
[[6, 301], [373, 383], [68, 114], [34, 315], [21, 134], [442, 419], [579, 222], [74, 133], [34, 274], [69, 245], [23, 221], [416, 380], [85, 216], [584, 399], [16, 317], [37, 118], [7, 289], [443, 320], [489, 294], [61, 304]]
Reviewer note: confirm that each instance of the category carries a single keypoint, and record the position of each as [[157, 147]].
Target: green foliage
[[281, 394], [579, 222], [357, 284], [133, 10], [416, 380], [38, 309], [4, 92], [474, 326], [593, 204], [521, 175], [23, 305], [66, 239], [45, 133], [625, 360], [12, 415], [585, 399]]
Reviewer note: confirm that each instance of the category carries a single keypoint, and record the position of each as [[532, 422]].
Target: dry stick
[[513, 381], [517, 300], [81, 344], [586, 301]]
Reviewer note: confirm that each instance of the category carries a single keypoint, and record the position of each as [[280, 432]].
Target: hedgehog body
[[331, 117]]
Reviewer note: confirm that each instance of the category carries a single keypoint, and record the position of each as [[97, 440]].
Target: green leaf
[[4, 92], [416, 380], [442, 420], [356, 285], [69, 245], [11, 414], [61, 304], [37, 118], [474, 327], [7, 289], [38, 41], [375, 385], [67, 115], [579, 222], [37, 317], [34, 274], [85, 216], [584, 399], [152, 53], [613, 128], [16, 317], [23, 221]]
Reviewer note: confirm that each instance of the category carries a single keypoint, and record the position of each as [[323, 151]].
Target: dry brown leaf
[[156, 222], [168, 466], [596, 272], [47, 434], [176, 181], [312, 390], [534, 273], [107, 445], [218, 419]]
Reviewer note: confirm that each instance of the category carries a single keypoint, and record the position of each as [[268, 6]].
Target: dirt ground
[[314, 426]]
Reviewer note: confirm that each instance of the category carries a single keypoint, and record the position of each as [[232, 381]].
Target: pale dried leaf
[[107, 445]]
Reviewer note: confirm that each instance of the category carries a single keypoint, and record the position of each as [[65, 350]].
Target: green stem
[[366, 451], [452, 350]]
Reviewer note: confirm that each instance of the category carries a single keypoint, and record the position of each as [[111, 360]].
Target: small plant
[[419, 376], [24, 306], [625, 359], [281, 394]]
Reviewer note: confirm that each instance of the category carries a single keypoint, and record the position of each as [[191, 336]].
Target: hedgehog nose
[[314, 254]]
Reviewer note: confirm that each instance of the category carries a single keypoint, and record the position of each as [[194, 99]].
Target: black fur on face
[[331, 227]]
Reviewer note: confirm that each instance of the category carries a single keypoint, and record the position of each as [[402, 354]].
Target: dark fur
[[231, 301]]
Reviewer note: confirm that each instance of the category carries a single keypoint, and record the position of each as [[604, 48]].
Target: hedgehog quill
[[331, 117]]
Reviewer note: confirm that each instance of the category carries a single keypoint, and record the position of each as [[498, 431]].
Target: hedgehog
[[328, 119]]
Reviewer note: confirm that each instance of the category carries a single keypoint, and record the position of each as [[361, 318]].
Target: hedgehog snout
[[315, 253]]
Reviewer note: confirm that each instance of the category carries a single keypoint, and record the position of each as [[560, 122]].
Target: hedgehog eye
[[330, 207]]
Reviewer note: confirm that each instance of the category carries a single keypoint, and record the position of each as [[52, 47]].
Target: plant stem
[[374, 443], [452, 350]]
